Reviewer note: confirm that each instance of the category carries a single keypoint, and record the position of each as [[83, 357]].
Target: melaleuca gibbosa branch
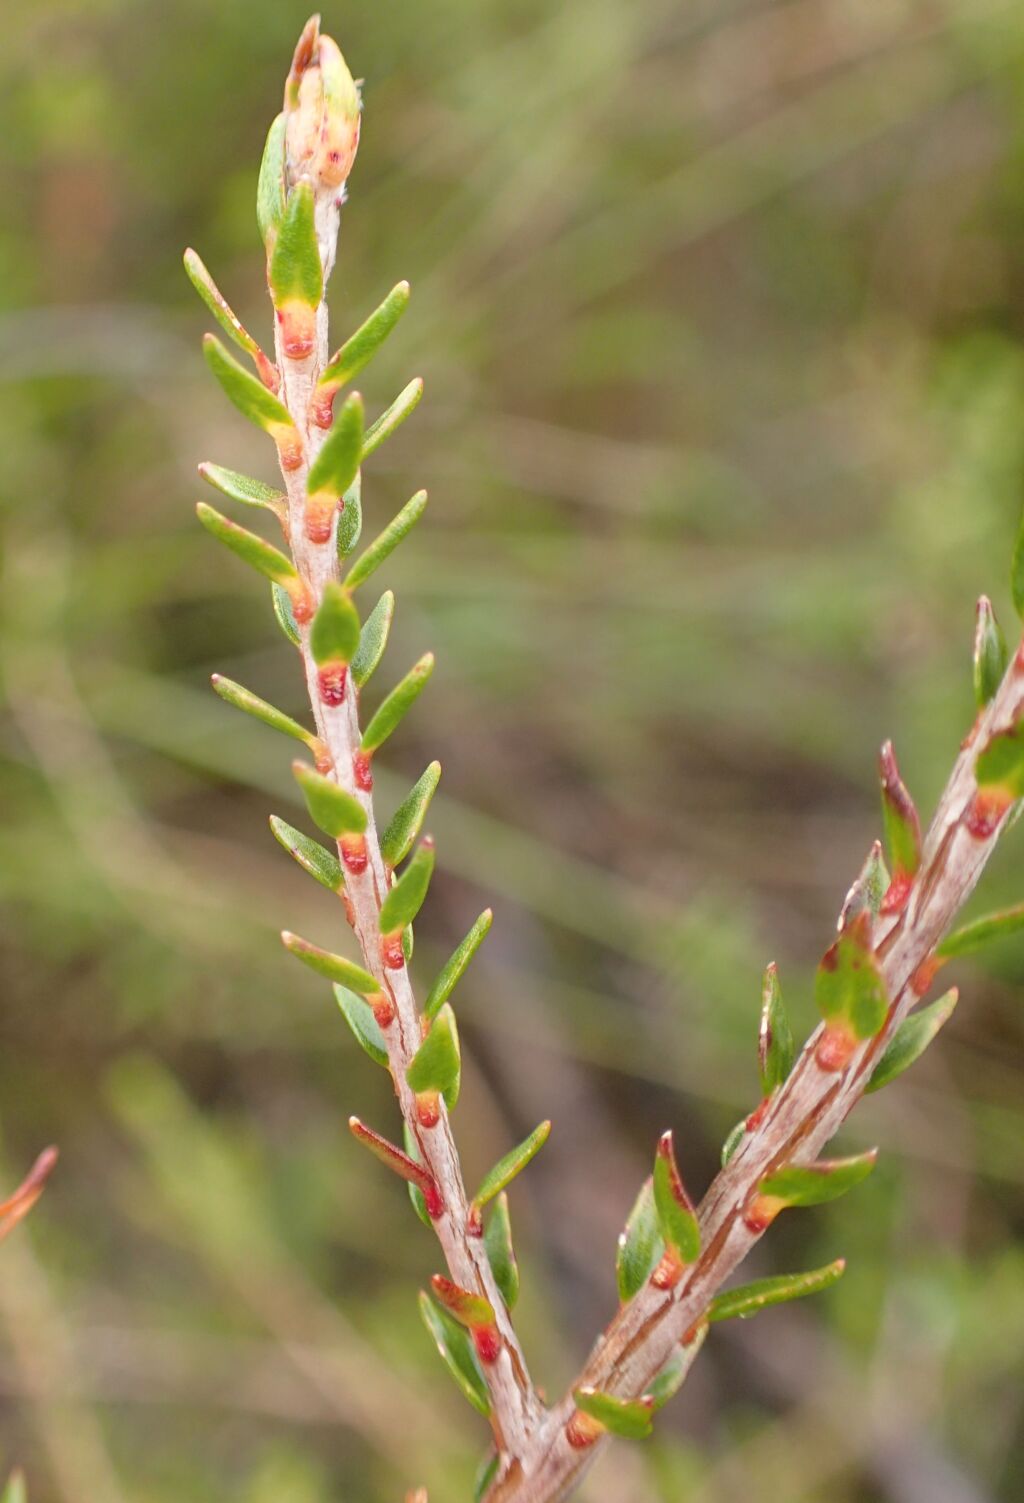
[[322, 447], [891, 936]]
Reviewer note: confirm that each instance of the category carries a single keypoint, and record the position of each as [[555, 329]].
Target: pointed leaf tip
[[331, 807], [776, 1050], [630, 1418], [334, 633], [641, 1245], [437, 1063], [334, 967], [990, 655], [901, 824], [457, 1354], [403, 406], [911, 1039], [751, 1299], [513, 1163], [370, 560], [457, 963], [500, 1252], [404, 900], [406, 822], [314, 858], [397, 705], [677, 1219]]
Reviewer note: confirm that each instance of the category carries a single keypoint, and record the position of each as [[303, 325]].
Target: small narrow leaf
[[485, 1476], [350, 518], [630, 1418], [373, 639], [314, 858], [244, 488], [981, 932], [469, 1309], [405, 899], [402, 407], [270, 188], [850, 993], [869, 889], [733, 1141], [251, 397], [990, 656], [337, 464], [677, 1219], [405, 1167], [669, 1381], [751, 1299], [282, 604], [334, 967], [437, 1063], [407, 821], [500, 1252], [358, 1014], [386, 542], [506, 1169], [419, 1205], [398, 703], [336, 812], [911, 1039], [218, 305], [1001, 764], [901, 824], [334, 634], [249, 546], [360, 348], [295, 273], [457, 1354], [776, 1050], [244, 699], [814, 1184], [641, 1245], [455, 966]]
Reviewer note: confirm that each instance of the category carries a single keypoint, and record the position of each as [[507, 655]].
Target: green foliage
[[334, 810], [15, 1490], [911, 1040], [406, 822], [677, 1220], [373, 639], [405, 898], [751, 1299], [270, 203], [249, 546], [314, 858], [398, 704], [814, 1184], [295, 273], [216, 302], [1001, 763], [335, 631], [630, 1418], [981, 932], [500, 1252], [457, 1354], [335, 467], [349, 528], [437, 1063], [455, 966], [370, 560], [285, 616], [360, 348], [246, 391], [990, 655], [641, 1245], [259, 709], [358, 1014], [244, 488], [848, 987], [513, 1163], [334, 967], [776, 1050], [403, 406]]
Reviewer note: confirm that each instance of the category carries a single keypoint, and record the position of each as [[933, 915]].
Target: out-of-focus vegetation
[[719, 310]]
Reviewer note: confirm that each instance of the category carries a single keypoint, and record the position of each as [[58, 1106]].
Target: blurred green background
[[719, 309]]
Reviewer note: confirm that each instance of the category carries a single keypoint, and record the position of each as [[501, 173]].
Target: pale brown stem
[[801, 1118], [516, 1409]]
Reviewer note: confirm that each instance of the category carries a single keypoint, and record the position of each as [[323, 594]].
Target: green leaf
[[402, 407], [398, 703], [412, 1148], [471, 1310], [15, 1491], [270, 188], [631, 1418], [437, 1063], [485, 1476], [848, 988], [335, 467], [244, 699], [869, 888], [218, 305], [406, 1166], [506, 1169], [248, 393], [244, 488], [457, 1353], [310, 855], [399, 837], [350, 517], [334, 967], [373, 556], [899, 818], [334, 634], [669, 1381], [677, 1219], [454, 967], [1001, 764], [404, 900], [500, 1252], [990, 655], [751, 1299], [360, 349], [981, 932], [249, 546], [336, 812], [733, 1141], [911, 1039], [814, 1184], [641, 1245], [776, 1050], [373, 639], [358, 1014], [295, 273], [282, 604]]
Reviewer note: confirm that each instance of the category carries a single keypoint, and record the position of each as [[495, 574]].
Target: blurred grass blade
[[407, 821], [373, 639], [751, 1299], [455, 966], [398, 704], [911, 1040], [386, 542], [403, 406]]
